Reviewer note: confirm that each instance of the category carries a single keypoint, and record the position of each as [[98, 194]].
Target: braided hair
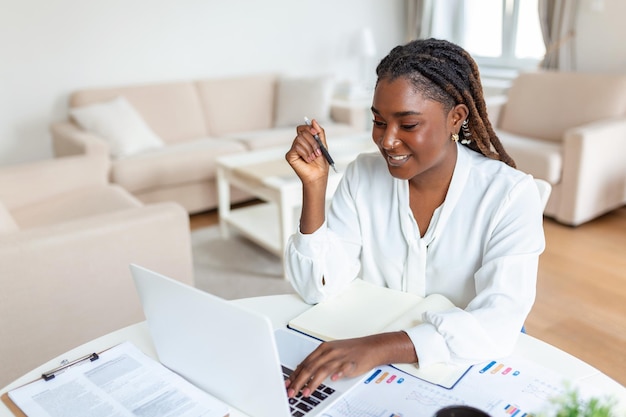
[[446, 73]]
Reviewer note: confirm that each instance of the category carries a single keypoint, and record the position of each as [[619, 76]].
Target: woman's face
[[412, 132]]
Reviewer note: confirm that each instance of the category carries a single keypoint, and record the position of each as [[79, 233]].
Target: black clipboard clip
[[47, 376]]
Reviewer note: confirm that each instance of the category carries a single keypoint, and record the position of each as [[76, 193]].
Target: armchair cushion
[[540, 158], [23, 185], [85, 202], [120, 124], [544, 105]]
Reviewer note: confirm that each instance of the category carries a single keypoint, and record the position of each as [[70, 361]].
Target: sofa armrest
[[594, 173], [353, 113], [26, 183], [69, 139], [64, 285]]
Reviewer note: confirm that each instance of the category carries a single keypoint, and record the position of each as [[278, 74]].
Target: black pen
[[321, 145]]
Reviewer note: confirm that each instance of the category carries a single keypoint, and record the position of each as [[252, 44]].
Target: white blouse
[[481, 251]]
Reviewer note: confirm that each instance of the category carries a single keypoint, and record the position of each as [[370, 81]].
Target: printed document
[[512, 386], [122, 382]]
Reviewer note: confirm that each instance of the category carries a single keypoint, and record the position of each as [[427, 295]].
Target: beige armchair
[[66, 241], [570, 130]]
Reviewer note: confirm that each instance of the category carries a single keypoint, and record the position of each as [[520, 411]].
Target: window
[[498, 33]]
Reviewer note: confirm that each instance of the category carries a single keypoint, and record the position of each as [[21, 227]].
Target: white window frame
[[507, 62]]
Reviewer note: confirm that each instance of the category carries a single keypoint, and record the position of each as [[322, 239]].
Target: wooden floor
[[581, 291]]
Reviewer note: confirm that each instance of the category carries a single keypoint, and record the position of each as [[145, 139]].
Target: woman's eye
[[409, 127], [378, 123]]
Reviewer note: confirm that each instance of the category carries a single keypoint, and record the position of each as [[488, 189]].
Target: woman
[[442, 211]]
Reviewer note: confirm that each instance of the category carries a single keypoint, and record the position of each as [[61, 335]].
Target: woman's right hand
[[307, 160], [305, 155]]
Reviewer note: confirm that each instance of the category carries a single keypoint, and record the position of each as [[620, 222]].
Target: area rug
[[235, 267]]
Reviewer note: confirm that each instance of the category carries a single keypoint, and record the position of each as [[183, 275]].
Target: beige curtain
[[558, 21], [418, 19]]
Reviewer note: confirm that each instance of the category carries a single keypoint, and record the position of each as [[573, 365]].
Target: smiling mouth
[[396, 160]]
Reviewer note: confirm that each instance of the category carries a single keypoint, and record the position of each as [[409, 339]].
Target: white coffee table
[[266, 175]]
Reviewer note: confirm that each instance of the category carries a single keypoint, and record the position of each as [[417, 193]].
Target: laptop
[[231, 352]]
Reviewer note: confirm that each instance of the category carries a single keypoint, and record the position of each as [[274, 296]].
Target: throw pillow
[[7, 223], [119, 124], [300, 97]]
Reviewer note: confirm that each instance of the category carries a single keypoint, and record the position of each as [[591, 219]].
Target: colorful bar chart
[[378, 377], [514, 411], [496, 368]]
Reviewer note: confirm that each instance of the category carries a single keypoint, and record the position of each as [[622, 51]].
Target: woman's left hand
[[349, 358]]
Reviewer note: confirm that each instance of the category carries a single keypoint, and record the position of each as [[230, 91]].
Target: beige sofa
[[67, 238], [197, 121], [570, 130]]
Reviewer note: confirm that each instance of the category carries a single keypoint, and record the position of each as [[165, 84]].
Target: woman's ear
[[456, 116]]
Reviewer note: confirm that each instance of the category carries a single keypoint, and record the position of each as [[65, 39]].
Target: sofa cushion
[[542, 159], [300, 97], [119, 124], [85, 202], [283, 137], [175, 164], [543, 105], [237, 104], [7, 223], [172, 110]]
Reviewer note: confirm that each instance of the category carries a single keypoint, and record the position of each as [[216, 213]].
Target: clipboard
[[120, 361], [13, 408], [48, 375]]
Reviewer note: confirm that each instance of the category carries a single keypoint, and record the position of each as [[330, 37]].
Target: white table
[[266, 175], [281, 308]]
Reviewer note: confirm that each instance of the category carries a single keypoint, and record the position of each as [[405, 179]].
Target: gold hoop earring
[[455, 137]]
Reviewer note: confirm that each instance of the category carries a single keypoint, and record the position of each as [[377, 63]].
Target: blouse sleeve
[[322, 263], [505, 288]]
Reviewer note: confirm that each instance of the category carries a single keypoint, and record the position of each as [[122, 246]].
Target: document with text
[[122, 382], [506, 387]]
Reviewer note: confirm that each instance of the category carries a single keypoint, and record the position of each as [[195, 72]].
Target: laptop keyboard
[[301, 406]]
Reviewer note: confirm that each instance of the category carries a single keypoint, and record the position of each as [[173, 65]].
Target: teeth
[[398, 158]]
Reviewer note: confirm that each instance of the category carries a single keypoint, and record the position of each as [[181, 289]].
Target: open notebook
[[364, 309]]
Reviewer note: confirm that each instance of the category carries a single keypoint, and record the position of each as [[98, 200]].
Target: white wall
[[49, 48]]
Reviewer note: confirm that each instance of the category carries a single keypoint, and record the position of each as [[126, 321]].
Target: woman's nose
[[388, 141]]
